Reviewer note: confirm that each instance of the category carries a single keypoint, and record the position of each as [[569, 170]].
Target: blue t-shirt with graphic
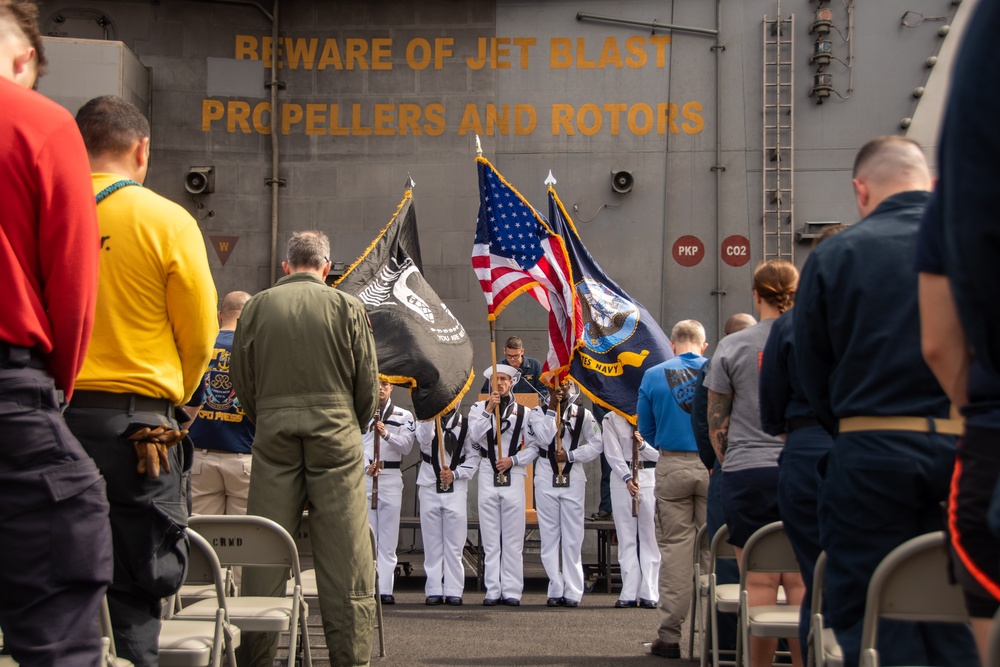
[[221, 423], [664, 406]]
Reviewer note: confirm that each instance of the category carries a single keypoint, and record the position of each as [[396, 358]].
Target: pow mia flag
[[420, 344]]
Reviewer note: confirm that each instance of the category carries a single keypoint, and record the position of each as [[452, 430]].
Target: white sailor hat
[[515, 375]]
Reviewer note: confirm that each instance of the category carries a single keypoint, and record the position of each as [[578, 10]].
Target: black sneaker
[[625, 604], [665, 650], [490, 602], [570, 603], [647, 604], [553, 602], [453, 600], [387, 599], [434, 600], [512, 602]]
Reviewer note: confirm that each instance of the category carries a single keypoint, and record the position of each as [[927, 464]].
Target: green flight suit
[[304, 369]]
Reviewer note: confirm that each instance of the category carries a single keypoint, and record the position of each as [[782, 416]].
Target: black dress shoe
[[647, 604], [434, 600], [570, 603], [553, 602], [512, 602], [453, 600], [387, 599], [665, 650], [491, 602], [625, 604]]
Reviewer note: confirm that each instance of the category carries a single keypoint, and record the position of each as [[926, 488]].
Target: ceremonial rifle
[[635, 472]]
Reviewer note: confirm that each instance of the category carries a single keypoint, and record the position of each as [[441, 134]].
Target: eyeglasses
[[517, 355]]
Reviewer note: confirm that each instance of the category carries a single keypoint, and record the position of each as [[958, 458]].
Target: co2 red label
[[736, 250], [688, 250]]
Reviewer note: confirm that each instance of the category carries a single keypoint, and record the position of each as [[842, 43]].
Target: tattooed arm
[[720, 407]]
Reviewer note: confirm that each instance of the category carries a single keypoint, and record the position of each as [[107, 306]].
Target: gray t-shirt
[[736, 370]]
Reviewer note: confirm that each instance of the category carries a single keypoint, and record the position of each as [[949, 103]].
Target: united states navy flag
[[420, 344], [620, 338]]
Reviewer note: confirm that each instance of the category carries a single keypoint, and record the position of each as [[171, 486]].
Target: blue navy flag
[[620, 338]]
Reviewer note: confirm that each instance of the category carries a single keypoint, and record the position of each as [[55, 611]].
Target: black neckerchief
[[491, 440], [574, 438], [450, 442]]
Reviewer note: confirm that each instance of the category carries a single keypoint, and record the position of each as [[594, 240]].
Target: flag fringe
[[371, 246], [631, 419]]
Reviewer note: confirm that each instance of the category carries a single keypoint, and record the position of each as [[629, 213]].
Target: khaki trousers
[[681, 502], [311, 453], [220, 482]]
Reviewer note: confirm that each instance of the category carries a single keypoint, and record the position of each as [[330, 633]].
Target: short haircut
[[22, 15], [889, 157], [828, 232], [514, 343], [308, 250], [110, 125], [738, 322], [232, 304], [775, 282], [688, 331]]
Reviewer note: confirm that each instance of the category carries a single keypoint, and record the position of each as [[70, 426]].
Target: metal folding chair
[[824, 651], [911, 584], [724, 598], [767, 550], [186, 642], [254, 541], [699, 591]]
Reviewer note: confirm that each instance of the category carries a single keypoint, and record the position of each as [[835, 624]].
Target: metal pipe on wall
[[275, 183], [718, 168]]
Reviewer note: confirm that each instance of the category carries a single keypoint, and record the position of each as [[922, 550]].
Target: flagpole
[[558, 435]]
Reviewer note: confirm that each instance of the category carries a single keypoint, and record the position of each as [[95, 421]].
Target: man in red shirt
[[55, 538]]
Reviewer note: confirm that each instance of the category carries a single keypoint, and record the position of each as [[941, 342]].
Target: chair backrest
[[912, 584], [204, 567], [720, 549], [248, 540], [819, 575], [700, 543], [302, 541], [768, 550]]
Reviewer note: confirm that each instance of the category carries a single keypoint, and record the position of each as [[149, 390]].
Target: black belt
[[801, 422], [544, 453], [391, 465], [643, 464], [426, 458], [17, 356], [124, 402]]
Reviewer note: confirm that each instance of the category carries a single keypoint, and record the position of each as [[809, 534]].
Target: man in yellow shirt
[[152, 339]]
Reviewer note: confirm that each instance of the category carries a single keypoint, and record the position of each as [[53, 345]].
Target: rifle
[[635, 472], [376, 455], [375, 478]]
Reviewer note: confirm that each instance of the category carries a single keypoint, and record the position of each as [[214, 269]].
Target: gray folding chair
[[767, 550], [253, 541], [310, 589], [699, 590], [824, 651], [722, 598], [195, 642], [911, 584]]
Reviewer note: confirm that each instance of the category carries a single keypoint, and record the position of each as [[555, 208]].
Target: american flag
[[516, 252]]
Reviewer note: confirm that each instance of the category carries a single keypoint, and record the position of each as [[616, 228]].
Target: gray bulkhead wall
[[349, 185]]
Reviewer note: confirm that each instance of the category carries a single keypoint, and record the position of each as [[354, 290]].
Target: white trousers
[[444, 528], [501, 524], [560, 527], [638, 553], [385, 521]]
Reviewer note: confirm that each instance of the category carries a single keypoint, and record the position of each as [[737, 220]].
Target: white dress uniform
[[444, 522], [638, 553], [501, 508], [560, 509], [398, 441]]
